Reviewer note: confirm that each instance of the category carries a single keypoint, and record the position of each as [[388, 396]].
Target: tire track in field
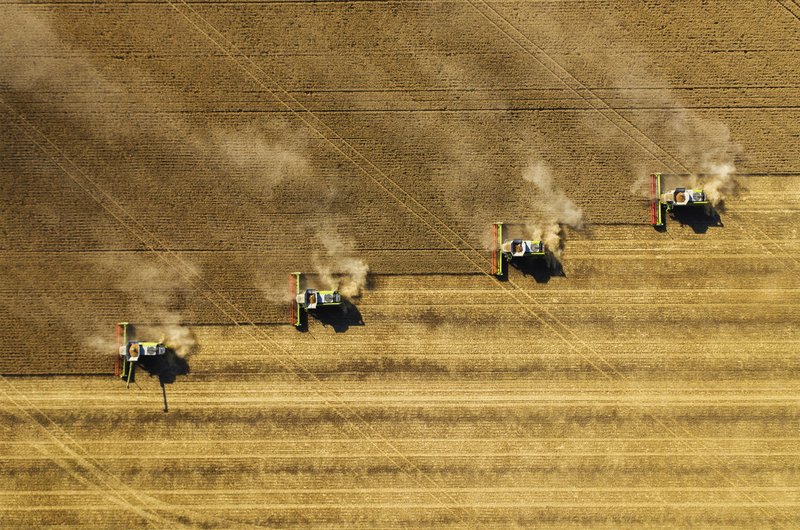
[[355, 157], [191, 276], [306, 116], [99, 473], [621, 123], [791, 6], [638, 136]]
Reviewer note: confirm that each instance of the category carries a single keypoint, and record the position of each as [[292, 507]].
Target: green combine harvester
[[308, 299], [129, 352], [676, 198], [507, 249]]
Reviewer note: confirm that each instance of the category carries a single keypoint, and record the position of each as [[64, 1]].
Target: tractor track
[[469, 393], [547, 319]]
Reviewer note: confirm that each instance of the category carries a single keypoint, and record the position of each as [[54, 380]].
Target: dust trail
[[152, 295], [29, 46], [262, 163], [163, 305], [702, 144], [339, 268], [243, 163], [275, 290], [706, 148], [552, 210], [707, 145], [38, 64]]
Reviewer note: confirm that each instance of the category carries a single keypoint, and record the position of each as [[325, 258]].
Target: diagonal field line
[[751, 224], [653, 146], [306, 115], [188, 276], [639, 137], [75, 451], [96, 470], [643, 142], [790, 6]]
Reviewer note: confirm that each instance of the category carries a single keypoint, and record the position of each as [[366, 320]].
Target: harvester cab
[[129, 352], [308, 299], [678, 197], [506, 249], [683, 197]]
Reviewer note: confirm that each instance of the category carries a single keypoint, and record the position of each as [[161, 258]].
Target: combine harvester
[[677, 198], [508, 249], [308, 299], [129, 352]]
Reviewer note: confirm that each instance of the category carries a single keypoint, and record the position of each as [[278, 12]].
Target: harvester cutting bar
[[292, 303], [497, 242], [656, 211], [118, 362], [294, 288], [494, 249], [652, 200], [122, 340]]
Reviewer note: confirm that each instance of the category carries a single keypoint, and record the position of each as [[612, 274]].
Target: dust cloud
[[243, 164], [700, 147], [707, 146], [552, 210], [29, 47], [153, 294], [338, 267]]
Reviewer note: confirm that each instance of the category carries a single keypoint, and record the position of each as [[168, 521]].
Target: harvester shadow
[[302, 327], [340, 317], [166, 367], [698, 219], [542, 269]]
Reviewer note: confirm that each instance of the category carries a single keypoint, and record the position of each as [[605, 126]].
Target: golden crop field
[[169, 163]]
